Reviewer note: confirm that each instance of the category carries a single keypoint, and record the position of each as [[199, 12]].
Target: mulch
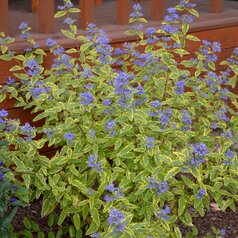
[[227, 220]]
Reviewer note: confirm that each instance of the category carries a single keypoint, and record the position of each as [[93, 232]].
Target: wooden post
[[157, 10], [123, 11], [4, 17], [86, 15], [35, 6], [98, 2], [216, 6], [46, 16]]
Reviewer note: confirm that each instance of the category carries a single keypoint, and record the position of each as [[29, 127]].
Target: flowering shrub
[[139, 146], [12, 194]]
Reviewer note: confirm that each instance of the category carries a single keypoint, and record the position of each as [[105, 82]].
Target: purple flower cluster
[[100, 43], [136, 14], [208, 49], [115, 191], [115, 219], [150, 142], [3, 113], [164, 214], [86, 98], [201, 193], [151, 37], [187, 18], [229, 155], [23, 26], [121, 83], [186, 117], [66, 6], [171, 18], [221, 114], [69, 136], [50, 42], [180, 87], [200, 150], [165, 115], [33, 66], [196, 161], [96, 235], [155, 103], [94, 164], [28, 130], [187, 4], [158, 187], [38, 89]]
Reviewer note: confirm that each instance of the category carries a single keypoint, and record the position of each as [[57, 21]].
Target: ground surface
[[220, 220]]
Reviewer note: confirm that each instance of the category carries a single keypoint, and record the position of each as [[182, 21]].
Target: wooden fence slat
[[4, 17], [123, 9], [157, 10], [98, 2], [216, 6], [34, 6], [86, 15], [46, 16]]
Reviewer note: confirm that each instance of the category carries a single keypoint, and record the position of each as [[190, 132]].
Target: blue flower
[[158, 187], [86, 98], [1, 176], [115, 219], [94, 164], [107, 102], [155, 103], [96, 235], [3, 113], [33, 67], [180, 86], [186, 117], [23, 26], [12, 200], [165, 115], [50, 42], [69, 136], [229, 155], [164, 214], [216, 46], [14, 187], [110, 125], [1, 163], [150, 142], [195, 162], [200, 149], [201, 193], [116, 193]]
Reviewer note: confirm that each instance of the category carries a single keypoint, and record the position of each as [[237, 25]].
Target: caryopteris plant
[[142, 147]]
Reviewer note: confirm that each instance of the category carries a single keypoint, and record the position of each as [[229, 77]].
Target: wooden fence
[[46, 11]]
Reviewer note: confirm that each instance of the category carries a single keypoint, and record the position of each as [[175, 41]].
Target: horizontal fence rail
[[45, 9]]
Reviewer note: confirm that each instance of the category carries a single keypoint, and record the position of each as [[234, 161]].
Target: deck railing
[[46, 11]]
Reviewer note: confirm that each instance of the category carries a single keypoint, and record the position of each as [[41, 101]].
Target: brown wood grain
[[157, 10], [46, 12], [123, 10], [86, 15], [4, 17]]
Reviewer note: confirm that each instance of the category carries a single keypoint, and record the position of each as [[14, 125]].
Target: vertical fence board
[[46, 16], [86, 15], [123, 9], [216, 6], [4, 17], [34, 6], [157, 10], [98, 2]]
